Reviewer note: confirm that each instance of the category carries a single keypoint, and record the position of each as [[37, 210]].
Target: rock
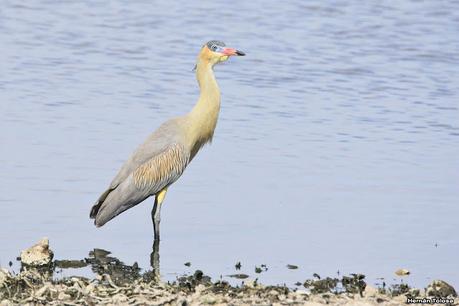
[[439, 288], [42, 291], [37, 255], [250, 283], [209, 299], [90, 288], [6, 303], [402, 272], [119, 299], [63, 296], [370, 291], [32, 276], [5, 275], [199, 288], [302, 292]]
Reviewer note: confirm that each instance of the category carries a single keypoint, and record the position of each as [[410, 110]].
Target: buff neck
[[204, 115]]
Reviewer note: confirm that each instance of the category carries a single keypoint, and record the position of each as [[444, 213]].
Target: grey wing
[[159, 141], [149, 178], [150, 148]]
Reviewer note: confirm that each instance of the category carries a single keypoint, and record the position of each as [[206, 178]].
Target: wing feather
[[148, 179], [159, 161], [162, 169], [158, 142]]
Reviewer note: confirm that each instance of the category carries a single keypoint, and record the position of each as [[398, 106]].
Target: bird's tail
[[95, 208], [117, 200]]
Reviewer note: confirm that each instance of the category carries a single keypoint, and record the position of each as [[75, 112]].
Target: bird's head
[[214, 52]]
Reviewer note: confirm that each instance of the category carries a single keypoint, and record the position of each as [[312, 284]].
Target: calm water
[[337, 146]]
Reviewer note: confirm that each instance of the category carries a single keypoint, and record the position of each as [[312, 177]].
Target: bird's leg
[[155, 218], [154, 260], [156, 212]]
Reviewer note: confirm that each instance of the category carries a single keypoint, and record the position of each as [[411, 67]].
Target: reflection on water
[[154, 259], [336, 148], [102, 262]]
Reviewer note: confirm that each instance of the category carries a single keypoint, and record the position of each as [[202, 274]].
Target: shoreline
[[38, 287], [115, 283]]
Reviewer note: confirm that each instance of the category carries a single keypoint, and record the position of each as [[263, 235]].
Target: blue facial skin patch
[[216, 46]]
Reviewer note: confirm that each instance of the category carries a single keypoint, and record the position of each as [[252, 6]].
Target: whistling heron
[[163, 157]]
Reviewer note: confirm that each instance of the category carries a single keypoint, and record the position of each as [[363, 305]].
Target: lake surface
[[337, 147]]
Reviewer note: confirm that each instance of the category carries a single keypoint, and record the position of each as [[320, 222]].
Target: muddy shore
[[115, 283], [31, 287]]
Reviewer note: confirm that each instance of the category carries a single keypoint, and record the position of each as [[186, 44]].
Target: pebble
[[250, 283], [370, 291], [441, 288], [63, 296], [37, 255], [6, 303], [4, 276], [301, 292], [209, 299], [402, 272]]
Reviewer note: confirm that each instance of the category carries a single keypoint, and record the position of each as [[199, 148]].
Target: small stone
[[198, 274], [439, 288], [402, 272], [37, 255], [199, 288], [250, 283], [370, 291], [63, 296], [5, 275], [301, 292], [209, 299], [33, 276], [43, 290], [119, 298], [6, 303]]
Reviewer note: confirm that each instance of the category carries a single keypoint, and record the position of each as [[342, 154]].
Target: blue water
[[336, 149]]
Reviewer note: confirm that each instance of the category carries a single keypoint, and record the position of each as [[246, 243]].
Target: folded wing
[[148, 179], [156, 164]]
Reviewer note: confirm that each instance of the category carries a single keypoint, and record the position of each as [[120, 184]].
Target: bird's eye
[[214, 48]]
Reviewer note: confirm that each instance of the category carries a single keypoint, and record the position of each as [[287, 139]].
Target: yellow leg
[[156, 212], [161, 195]]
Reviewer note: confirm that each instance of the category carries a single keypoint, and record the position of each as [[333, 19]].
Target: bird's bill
[[231, 51]]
